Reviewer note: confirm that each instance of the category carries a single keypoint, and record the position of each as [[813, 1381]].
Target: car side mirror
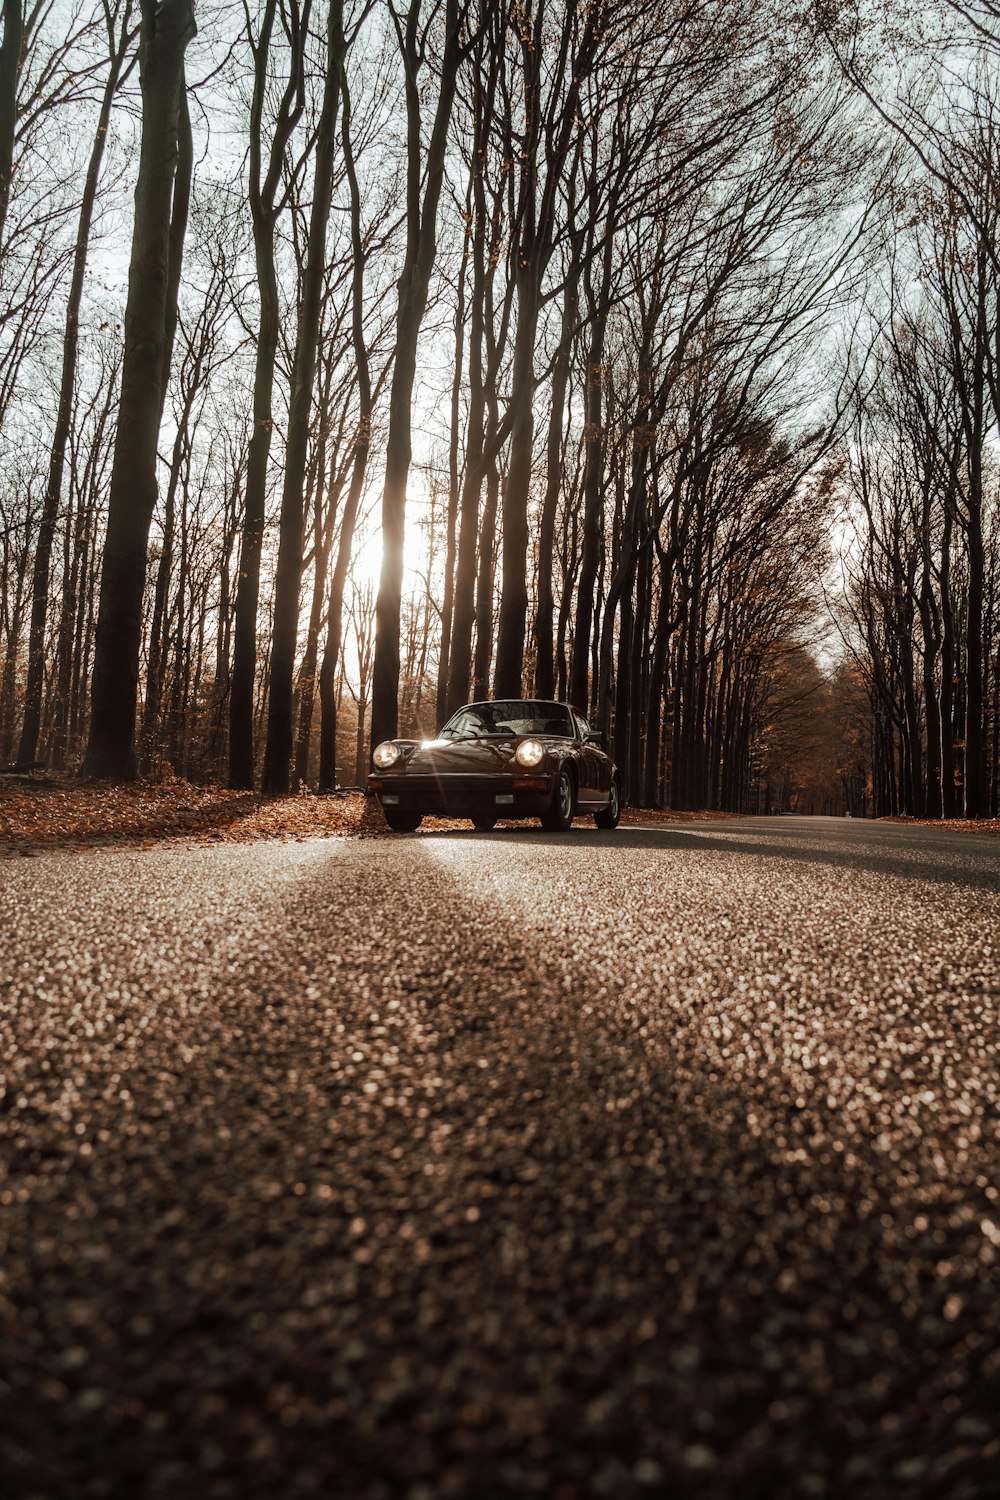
[[593, 738]]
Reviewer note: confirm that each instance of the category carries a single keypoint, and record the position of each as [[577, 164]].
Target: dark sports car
[[515, 758]]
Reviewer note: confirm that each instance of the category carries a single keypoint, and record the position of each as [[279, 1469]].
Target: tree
[[424, 180], [268, 190], [121, 35], [361, 243], [10, 66], [165, 31], [278, 750], [545, 135]]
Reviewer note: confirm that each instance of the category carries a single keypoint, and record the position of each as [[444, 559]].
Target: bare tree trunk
[[28, 749], [322, 541], [158, 631], [264, 209], [426, 169], [10, 67], [454, 486], [484, 588], [165, 32], [464, 608], [976, 787], [552, 106], [514, 529], [484, 238], [484, 439], [328, 697], [592, 485], [657, 689], [15, 602], [545, 682], [288, 579]]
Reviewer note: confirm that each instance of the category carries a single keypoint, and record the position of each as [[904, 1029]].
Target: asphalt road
[[654, 1163]]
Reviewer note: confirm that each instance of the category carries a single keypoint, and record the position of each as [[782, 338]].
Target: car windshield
[[518, 716]]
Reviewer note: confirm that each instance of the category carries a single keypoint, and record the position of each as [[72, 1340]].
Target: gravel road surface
[[654, 1163]]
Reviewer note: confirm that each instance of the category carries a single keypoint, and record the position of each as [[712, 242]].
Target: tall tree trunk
[[10, 67], [638, 702], [328, 698], [484, 238], [545, 680], [335, 617], [166, 29], [949, 786], [464, 611], [541, 149], [517, 488], [930, 630], [454, 487], [64, 639], [264, 200], [288, 578], [15, 614], [159, 628], [592, 485], [28, 749], [976, 788], [426, 169], [484, 588], [322, 541], [657, 689]]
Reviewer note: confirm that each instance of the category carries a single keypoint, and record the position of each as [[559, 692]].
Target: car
[[504, 758]]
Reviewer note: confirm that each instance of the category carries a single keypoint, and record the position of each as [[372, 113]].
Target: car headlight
[[386, 754], [529, 753]]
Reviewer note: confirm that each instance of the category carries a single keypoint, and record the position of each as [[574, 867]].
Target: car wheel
[[560, 814], [484, 823], [402, 822], [608, 816]]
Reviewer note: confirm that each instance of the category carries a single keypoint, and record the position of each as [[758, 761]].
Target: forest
[[361, 358]]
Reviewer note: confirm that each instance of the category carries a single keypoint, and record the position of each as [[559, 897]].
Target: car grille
[[457, 780], [453, 792]]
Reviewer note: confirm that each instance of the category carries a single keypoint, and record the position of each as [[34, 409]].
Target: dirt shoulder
[[38, 813], [988, 826]]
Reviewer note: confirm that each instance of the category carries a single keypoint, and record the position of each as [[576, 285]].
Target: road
[[662, 1162]]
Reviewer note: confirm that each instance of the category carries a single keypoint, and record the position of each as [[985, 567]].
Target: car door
[[593, 786]]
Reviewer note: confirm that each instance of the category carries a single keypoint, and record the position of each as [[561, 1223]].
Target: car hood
[[452, 757], [475, 757]]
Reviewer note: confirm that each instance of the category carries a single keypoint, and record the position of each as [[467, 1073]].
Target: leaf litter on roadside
[[39, 813]]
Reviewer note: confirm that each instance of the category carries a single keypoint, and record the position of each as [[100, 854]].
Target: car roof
[[483, 702]]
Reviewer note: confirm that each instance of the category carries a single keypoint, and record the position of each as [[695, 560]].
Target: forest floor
[[988, 826], [38, 812]]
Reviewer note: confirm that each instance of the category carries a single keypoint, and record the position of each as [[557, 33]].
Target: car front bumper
[[460, 796]]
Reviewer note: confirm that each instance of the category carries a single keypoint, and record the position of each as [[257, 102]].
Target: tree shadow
[[941, 860], [411, 1186]]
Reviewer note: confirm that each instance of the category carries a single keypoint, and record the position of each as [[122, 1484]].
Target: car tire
[[402, 822], [484, 824], [559, 816], [608, 816]]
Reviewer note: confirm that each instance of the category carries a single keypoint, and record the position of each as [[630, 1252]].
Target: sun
[[366, 559]]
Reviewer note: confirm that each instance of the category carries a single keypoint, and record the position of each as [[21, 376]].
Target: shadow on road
[[958, 859], [387, 1175]]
